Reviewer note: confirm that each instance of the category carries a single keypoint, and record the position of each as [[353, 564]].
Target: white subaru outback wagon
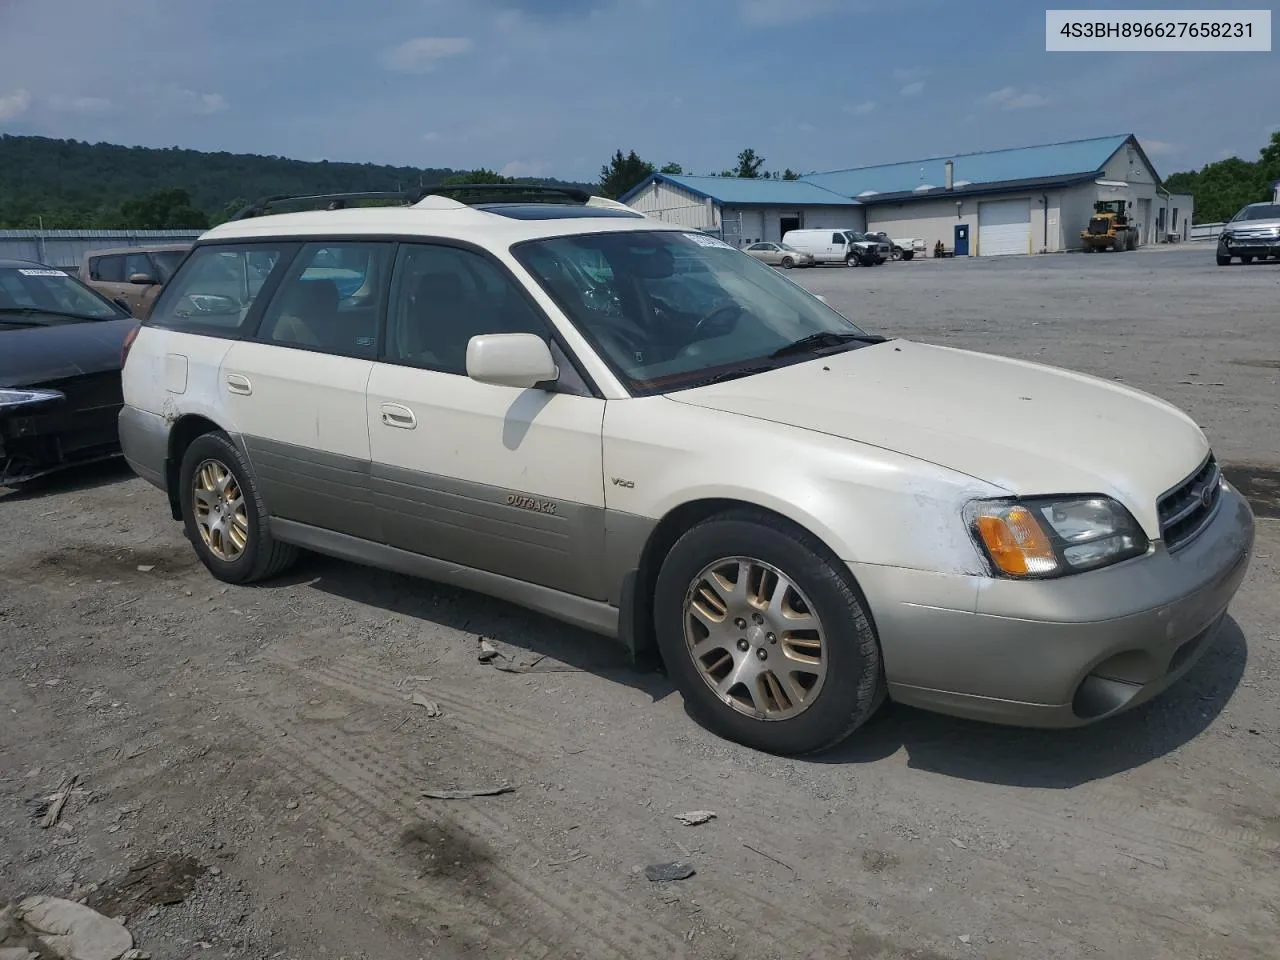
[[633, 427]]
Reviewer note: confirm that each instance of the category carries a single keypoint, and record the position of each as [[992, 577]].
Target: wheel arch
[[182, 434], [635, 615]]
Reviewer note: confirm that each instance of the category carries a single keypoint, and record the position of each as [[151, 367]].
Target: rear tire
[[224, 516], [908, 254], [795, 690]]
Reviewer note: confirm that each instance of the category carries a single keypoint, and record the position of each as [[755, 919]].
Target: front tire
[[1246, 259], [224, 516], [766, 635], [787, 263], [1224, 259], [852, 261]]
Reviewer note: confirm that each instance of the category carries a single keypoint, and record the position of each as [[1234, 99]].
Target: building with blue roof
[[997, 202]]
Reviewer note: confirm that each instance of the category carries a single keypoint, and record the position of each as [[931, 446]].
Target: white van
[[835, 245]]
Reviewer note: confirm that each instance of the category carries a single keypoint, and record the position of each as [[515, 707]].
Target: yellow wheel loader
[[1109, 228]]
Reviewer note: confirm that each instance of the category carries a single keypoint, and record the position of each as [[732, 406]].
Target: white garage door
[[1004, 227]]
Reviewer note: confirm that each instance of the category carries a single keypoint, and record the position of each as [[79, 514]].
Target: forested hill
[[70, 183]]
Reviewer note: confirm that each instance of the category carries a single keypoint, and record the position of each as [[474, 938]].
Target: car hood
[[31, 355], [1027, 428]]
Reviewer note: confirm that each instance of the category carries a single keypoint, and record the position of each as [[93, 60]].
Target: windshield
[[44, 290], [1261, 211], [167, 262], [671, 310], [854, 236]]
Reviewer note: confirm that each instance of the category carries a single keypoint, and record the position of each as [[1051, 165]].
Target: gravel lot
[[269, 735]]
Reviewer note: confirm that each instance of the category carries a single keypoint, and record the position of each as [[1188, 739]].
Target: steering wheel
[[718, 322]]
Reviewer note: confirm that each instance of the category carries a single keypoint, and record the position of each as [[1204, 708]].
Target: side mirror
[[143, 278], [520, 360]]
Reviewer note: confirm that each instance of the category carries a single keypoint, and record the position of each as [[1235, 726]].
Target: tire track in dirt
[[1203, 854], [781, 920], [376, 796]]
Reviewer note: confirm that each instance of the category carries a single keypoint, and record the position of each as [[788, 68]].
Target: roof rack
[[335, 201], [466, 194], [473, 194]]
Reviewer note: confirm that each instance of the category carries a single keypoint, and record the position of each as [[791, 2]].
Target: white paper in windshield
[[41, 273], [703, 240]]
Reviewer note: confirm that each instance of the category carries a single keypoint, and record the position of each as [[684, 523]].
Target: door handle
[[238, 384], [397, 415]]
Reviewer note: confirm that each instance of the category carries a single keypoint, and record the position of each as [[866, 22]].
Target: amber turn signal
[[1016, 543]]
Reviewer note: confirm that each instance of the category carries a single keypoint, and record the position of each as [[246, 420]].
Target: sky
[[553, 87]]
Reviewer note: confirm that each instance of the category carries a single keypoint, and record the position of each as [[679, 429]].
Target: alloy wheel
[[755, 638], [220, 512]]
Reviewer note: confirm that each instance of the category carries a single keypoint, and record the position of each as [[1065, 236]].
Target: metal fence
[[1205, 231], [66, 248]]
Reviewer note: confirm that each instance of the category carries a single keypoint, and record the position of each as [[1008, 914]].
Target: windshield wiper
[[817, 341]]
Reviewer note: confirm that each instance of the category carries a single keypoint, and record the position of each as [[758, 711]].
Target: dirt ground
[[267, 740]]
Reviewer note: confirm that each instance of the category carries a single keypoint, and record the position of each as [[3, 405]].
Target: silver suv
[[1253, 232]]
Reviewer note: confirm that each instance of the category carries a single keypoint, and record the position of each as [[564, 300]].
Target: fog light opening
[[1097, 696]]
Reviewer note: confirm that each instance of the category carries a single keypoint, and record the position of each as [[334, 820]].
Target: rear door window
[[107, 269], [217, 288], [331, 299]]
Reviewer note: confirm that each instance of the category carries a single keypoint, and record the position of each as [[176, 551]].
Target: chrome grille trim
[[1187, 509]]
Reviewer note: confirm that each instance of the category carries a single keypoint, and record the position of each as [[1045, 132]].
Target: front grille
[[1248, 234], [1099, 226], [1186, 509]]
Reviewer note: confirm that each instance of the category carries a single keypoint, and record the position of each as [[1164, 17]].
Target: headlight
[[1047, 537]]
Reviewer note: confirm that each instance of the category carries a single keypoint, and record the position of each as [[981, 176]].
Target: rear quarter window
[[218, 290]]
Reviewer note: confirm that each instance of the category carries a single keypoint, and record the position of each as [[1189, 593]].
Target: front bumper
[[1252, 248], [1058, 653], [44, 429]]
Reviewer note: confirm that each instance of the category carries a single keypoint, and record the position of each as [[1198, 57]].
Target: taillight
[[128, 342]]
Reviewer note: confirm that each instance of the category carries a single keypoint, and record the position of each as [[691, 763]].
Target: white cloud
[[422, 54], [524, 168], [912, 89], [860, 109], [14, 104], [1011, 98], [903, 74], [84, 105], [432, 136], [1158, 148]]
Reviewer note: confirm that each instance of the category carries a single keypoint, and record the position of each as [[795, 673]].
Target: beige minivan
[[132, 276]]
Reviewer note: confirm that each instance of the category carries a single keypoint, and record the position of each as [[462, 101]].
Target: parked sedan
[[780, 255], [1254, 232], [60, 347]]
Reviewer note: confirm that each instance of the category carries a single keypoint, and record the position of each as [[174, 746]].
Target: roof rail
[[472, 194], [335, 201], [464, 194]]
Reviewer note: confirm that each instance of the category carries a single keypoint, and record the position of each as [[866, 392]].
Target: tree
[[789, 174], [672, 169], [482, 175], [621, 173], [748, 165], [1222, 188], [163, 210]]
